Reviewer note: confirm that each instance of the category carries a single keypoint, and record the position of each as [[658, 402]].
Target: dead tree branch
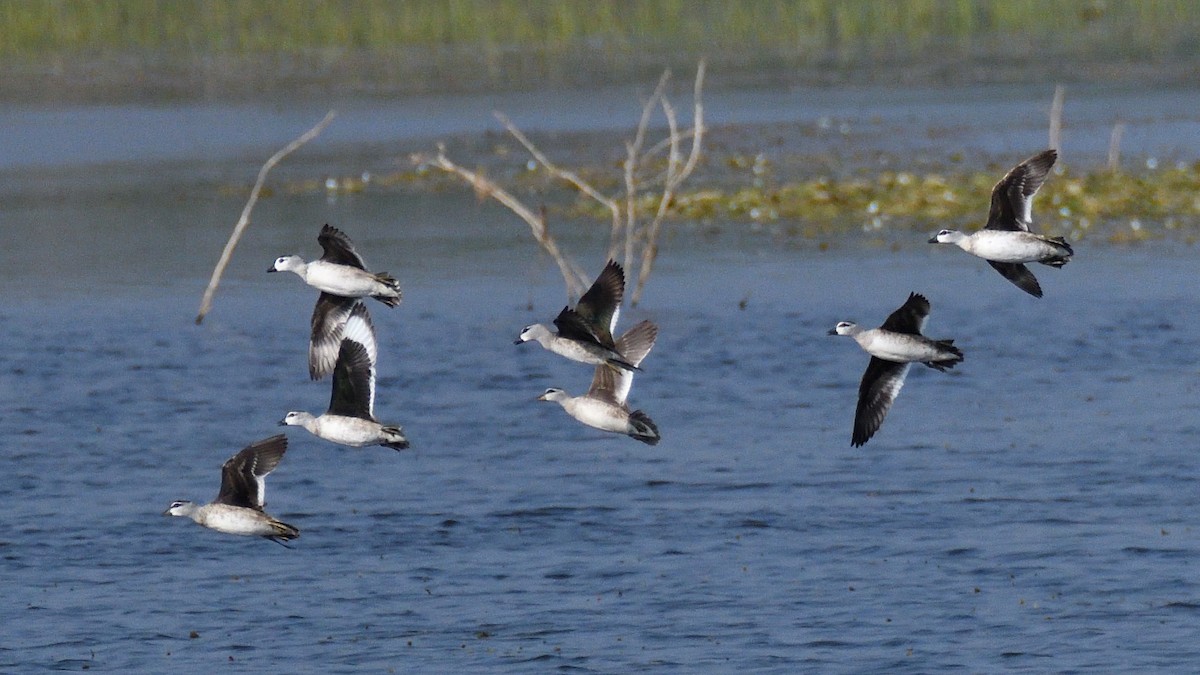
[[626, 235], [576, 281], [244, 220], [675, 177], [1056, 113]]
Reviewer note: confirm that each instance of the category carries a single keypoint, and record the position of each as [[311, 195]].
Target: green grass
[[1119, 207], [844, 30], [1097, 204]]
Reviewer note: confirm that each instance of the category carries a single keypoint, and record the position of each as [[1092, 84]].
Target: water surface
[[1031, 511]]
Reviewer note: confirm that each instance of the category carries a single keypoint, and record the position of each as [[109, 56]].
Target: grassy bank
[[812, 28], [738, 191], [425, 44]]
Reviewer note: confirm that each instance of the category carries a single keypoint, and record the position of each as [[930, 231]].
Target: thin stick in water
[[206, 302], [1056, 111], [1114, 146]]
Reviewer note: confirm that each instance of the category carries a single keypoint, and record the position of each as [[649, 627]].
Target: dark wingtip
[[860, 438], [647, 431]]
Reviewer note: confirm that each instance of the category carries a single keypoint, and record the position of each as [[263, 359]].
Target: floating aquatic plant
[[1118, 206]]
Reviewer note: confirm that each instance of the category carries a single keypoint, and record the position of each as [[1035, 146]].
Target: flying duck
[[342, 278], [603, 406], [350, 419], [238, 508], [893, 347], [585, 332], [1005, 241]]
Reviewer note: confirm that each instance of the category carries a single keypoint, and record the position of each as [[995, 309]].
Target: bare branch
[[1114, 146], [624, 216], [244, 220], [697, 122], [674, 176], [574, 278], [562, 174], [1056, 111], [633, 151], [555, 170], [629, 168]]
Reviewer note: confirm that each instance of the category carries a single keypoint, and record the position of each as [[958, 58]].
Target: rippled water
[[1032, 511]]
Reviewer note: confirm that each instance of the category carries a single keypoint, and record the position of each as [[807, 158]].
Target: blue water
[[1031, 511]]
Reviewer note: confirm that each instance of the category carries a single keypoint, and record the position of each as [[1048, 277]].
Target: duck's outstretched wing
[[910, 317], [601, 304], [1020, 275], [880, 385], [613, 383], [338, 248], [1012, 197], [243, 475], [328, 321]]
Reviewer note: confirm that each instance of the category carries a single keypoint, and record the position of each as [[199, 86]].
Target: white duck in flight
[[585, 332], [342, 277], [603, 406], [238, 508], [893, 347], [1005, 241], [350, 419]]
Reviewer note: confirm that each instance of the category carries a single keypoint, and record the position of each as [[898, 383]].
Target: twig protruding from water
[[244, 220]]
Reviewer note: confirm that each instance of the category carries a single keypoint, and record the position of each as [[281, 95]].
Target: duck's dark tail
[[389, 281], [644, 429], [283, 532], [952, 356], [1060, 260], [394, 438]]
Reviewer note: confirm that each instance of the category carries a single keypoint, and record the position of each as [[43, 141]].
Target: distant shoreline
[[142, 50], [128, 78]]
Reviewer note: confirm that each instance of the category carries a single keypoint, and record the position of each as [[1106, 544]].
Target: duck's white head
[[947, 237], [844, 328], [535, 332], [554, 394], [287, 263], [180, 507], [296, 419]]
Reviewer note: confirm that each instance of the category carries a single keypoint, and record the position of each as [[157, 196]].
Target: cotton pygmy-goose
[[342, 277], [350, 419], [893, 347], [585, 332], [603, 406], [1005, 241], [238, 508]]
